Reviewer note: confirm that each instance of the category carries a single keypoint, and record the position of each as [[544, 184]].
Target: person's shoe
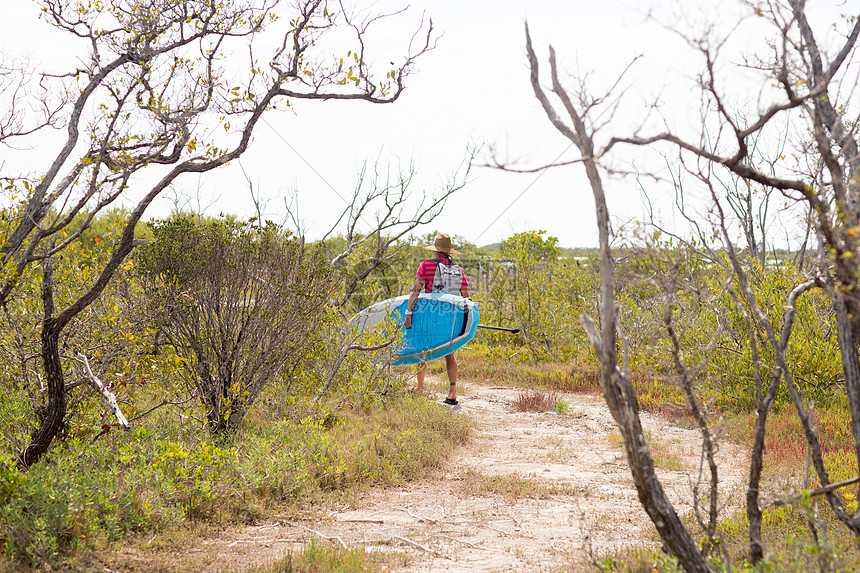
[[450, 402]]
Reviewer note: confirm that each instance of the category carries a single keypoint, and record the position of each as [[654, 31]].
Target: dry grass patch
[[505, 366], [668, 454], [513, 486]]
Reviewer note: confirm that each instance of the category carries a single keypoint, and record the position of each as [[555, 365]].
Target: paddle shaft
[[513, 330]]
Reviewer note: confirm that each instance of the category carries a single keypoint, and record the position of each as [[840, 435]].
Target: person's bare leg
[[451, 365], [422, 371]]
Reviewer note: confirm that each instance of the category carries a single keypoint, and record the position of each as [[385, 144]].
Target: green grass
[[318, 558], [664, 453], [150, 481], [789, 541]]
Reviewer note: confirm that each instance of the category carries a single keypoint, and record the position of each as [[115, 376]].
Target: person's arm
[[413, 296]]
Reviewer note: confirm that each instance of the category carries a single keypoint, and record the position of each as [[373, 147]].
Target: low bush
[[536, 401]]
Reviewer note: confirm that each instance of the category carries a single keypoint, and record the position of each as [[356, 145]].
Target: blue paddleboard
[[441, 324]]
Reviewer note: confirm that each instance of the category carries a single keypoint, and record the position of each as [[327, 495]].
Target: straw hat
[[442, 244]]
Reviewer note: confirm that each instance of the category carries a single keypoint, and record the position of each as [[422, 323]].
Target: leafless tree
[[154, 96], [816, 84], [614, 379], [383, 210]]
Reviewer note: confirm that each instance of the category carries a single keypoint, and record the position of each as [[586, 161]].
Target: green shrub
[[239, 302]]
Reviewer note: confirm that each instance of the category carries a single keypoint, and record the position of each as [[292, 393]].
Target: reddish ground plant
[[536, 401]]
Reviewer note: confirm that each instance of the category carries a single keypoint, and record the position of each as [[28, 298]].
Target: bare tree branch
[[109, 398]]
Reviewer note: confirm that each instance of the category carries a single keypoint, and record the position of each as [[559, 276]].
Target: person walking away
[[439, 274]]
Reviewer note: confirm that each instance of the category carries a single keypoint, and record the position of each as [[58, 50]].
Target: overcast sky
[[472, 88]]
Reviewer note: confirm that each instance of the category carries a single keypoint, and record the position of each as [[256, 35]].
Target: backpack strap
[[432, 280]]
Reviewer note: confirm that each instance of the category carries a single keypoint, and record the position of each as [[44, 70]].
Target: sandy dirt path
[[442, 525]]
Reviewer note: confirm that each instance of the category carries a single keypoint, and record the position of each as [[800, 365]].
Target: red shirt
[[427, 270]]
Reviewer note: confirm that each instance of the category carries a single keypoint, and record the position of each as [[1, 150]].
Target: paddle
[[513, 330]]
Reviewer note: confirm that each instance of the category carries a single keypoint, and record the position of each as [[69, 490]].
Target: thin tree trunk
[[851, 370], [617, 388], [55, 409], [754, 512]]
